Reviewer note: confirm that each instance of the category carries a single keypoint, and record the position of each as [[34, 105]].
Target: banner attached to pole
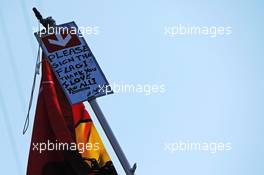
[[73, 63], [64, 138]]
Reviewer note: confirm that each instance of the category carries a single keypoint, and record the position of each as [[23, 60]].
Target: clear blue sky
[[214, 86]]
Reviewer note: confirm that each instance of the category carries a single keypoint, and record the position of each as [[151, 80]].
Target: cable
[[12, 62], [37, 67], [10, 133], [27, 22]]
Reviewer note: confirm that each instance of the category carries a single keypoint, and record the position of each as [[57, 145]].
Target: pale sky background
[[214, 86]]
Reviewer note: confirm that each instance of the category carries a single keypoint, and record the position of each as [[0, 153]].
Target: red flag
[[64, 139]]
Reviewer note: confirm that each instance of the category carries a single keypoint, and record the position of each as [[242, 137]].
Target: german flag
[[64, 139]]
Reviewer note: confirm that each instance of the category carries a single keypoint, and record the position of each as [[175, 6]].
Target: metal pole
[[111, 137]]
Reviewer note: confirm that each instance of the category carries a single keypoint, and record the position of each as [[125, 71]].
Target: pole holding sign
[[111, 137], [78, 72]]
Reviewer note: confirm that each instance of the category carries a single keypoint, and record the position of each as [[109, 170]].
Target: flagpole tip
[[46, 22], [37, 14]]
